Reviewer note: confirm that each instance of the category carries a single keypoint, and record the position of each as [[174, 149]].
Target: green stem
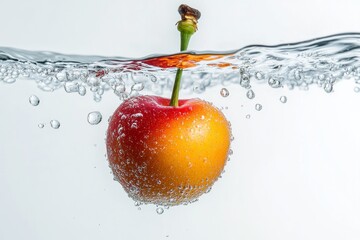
[[174, 101], [187, 27]]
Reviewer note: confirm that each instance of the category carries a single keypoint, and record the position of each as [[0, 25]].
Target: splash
[[321, 62]]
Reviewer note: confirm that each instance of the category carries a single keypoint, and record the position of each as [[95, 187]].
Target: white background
[[295, 171]]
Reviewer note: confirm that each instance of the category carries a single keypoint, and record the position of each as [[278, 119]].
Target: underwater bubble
[[62, 76], [9, 80], [137, 87], [97, 97], [357, 89], [248, 116], [258, 107], [153, 78], [224, 92], [94, 118], [250, 94], [41, 125], [283, 99], [55, 124], [119, 89], [328, 87], [259, 76], [82, 90], [34, 100], [159, 210], [71, 87], [93, 81], [274, 83]]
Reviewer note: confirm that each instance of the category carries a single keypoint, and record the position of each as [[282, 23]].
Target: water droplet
[[258, 107], [159, 210], [357, 89], [283, 99], [94, 118], [248, 116], [34, 100], [55, 124], [250, 94], [41, 125], [224, 92]]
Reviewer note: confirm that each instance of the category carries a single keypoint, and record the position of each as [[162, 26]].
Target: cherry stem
[[187, 27]]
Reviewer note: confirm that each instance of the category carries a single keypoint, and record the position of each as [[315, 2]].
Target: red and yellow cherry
[[167, 155]]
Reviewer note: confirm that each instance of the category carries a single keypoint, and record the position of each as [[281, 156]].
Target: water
[[319, 62], [316, 63]]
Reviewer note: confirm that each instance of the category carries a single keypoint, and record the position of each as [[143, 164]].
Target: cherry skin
[[167, 155]]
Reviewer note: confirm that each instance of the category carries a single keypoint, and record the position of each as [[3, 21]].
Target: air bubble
[[357, 89], [41, 125], [259, 76], [71, 87], [250, 94], [283, 99], [9, 80], [82, 90], [328, 87], [137, 87], [248, 116], [153, 78], [258, 107], [94, 118], [159, 210], [61, 76], [224, 92], [34, 100], [119, 89], [55, 124], [274, 83]]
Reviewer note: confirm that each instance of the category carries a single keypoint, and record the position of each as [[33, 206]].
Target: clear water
[[315, 63], [320, 62]]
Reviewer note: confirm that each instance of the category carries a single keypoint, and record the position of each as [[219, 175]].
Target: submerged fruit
[[167, 155]]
